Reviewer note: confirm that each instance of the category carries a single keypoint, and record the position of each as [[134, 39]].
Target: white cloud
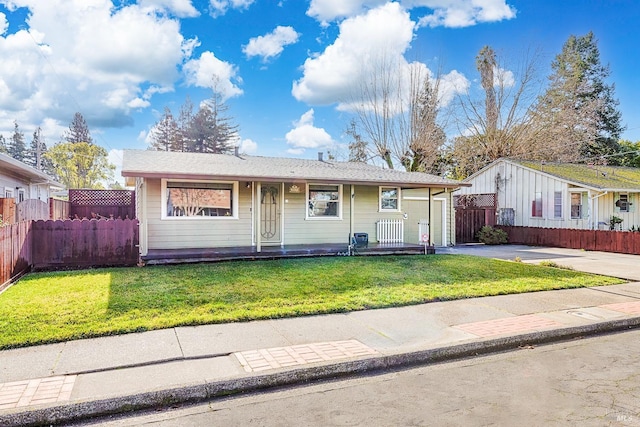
[[179, 8], [272, 44], [4, 24], [87, 56], [383, 32], [448, 13], [306, 135], [503, 78], [370, 48], [452, 84], [248, 146], [462, 13], [220, 7], [210, 72], [329, 10]]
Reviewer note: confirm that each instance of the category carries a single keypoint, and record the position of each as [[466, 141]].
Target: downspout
[[594, 211]]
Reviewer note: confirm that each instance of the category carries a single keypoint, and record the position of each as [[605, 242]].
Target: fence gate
[[473, 211]]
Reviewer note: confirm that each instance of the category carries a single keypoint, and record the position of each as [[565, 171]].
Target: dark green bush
[[492, 236]]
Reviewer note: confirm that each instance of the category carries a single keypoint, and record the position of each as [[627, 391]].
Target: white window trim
[[323, 218], [163, 202], [583, 207], [8, 193], [399, 190]]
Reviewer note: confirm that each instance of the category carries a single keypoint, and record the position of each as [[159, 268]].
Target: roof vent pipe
[[236, 151], [320, 156]]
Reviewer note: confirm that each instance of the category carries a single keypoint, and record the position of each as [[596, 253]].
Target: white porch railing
[[390, 230]]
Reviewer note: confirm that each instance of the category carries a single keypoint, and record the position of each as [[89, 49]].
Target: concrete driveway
[[607, 263]]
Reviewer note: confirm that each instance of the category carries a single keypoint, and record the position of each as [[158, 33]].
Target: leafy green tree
[[78, 131], [17, 148], [579, 109], [81, 164], [629, 154]]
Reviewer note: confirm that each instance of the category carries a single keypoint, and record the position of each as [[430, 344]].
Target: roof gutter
[[156, 175]]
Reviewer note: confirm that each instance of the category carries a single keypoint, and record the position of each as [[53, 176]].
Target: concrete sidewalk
[[79, 379]]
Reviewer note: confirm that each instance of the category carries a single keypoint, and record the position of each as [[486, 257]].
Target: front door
[[270, 219]]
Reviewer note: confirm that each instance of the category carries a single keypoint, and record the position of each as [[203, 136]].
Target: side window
[[389, 199], [623, 203], [576, 205], [557, 204]]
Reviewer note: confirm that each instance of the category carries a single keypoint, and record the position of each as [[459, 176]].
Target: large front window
[[324, 201], [199, 199]]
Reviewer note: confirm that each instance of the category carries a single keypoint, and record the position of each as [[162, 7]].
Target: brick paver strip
[[38, 391], [278, 357], [509, 325], [624, 307]]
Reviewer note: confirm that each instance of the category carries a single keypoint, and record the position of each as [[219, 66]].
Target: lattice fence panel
[[101, 197], [475, 201]]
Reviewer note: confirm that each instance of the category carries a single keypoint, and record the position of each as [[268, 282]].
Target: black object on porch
[[179, 256]]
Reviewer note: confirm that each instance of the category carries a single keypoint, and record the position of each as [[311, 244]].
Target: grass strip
[[60, 306]]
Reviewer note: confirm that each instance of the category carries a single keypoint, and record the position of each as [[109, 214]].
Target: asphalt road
[[586, 382]]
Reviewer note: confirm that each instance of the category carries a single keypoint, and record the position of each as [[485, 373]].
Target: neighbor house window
[[557, 204], [200, 199], [323, 201], [8, 193], [576, 205], [389, 198], [623, 202], [536, 206], [21, 196]]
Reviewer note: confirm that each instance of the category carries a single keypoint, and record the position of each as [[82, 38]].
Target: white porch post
[[258, 218], [430, 217]]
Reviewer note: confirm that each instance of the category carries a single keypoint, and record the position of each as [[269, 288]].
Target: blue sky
[[284, 66]]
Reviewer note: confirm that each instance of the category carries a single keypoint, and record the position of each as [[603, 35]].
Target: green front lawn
[[59, 306]]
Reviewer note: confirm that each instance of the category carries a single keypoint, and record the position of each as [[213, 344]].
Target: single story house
[[24, 190], [198, 200], [557, 195], [22, 182]]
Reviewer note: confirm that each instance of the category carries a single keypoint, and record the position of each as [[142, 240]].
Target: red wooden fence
[[625, 242], [66, 244], [86, 243], [15, 252]]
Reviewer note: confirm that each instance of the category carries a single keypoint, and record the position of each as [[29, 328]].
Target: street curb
[[207, 390]]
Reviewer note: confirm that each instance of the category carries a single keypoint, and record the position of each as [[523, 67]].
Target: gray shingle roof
[[163, 164]]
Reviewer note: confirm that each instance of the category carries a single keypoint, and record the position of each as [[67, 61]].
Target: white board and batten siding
[[516, 187]]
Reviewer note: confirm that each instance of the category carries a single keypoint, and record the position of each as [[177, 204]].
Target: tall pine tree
[[579, 108], [78, 131], [17, 148]]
